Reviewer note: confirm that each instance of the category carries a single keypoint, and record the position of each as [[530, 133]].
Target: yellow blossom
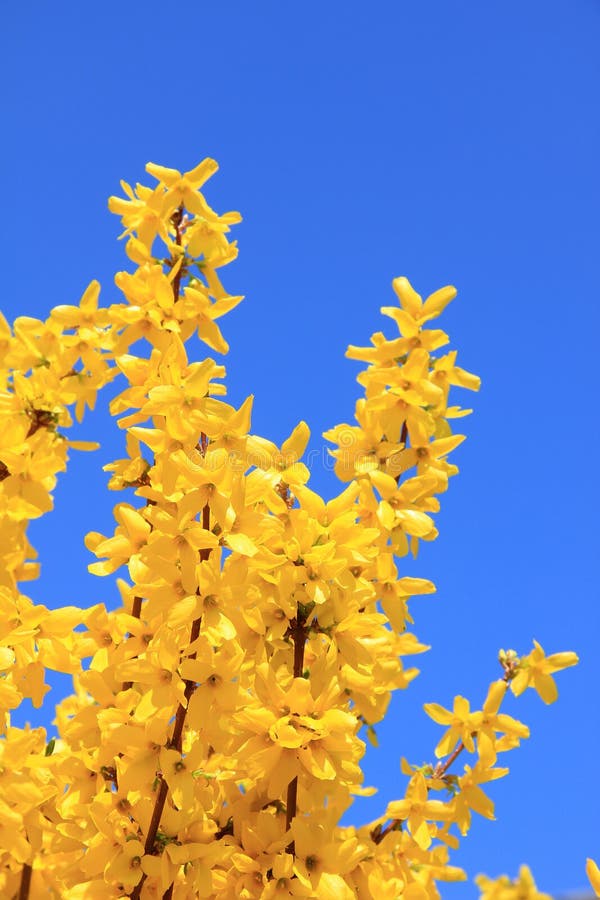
[[419, 811], [503, 888], [536, 670]]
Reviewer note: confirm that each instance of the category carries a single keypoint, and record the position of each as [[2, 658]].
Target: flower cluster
[[213, 739], [504, 888]]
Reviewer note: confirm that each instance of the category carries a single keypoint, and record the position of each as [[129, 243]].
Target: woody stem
[[175, 743], [177, 217], [298, 633], [441, 770], [25, 882], [176, 740]]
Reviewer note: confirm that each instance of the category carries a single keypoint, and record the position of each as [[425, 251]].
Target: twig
[[176, 740], [25, 882], [298, 631]]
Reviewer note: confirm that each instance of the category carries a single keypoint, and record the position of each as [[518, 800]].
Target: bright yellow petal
[[562, 660], [241, 543], [161, 173], [202, 172], [545, 686], [437, 301], [83, 445], [295, 445], [408, 297], [333, 887], [438, 713], [593, 873], [495, 696]]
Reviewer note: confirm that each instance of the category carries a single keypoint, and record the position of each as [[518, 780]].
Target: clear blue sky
[[448, 142]]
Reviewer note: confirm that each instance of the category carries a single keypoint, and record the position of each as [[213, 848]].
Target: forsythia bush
[[211, 744]]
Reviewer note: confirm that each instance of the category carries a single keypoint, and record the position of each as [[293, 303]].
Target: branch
[[439, 772], [136, 612], [25, 882], [403, 440], [176, 740], [177, 220], [441, 769], [510, 667], [298, 632]]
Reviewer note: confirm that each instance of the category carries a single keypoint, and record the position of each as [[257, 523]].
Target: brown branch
[[404, 433], [156, 815], [190, 686], [176, 740], [403, 440], [177, 220], [440, 770], [137, 891], [298, 632], [25, 882], [290, 811], [136, 607], [136, 612], [40, 418]]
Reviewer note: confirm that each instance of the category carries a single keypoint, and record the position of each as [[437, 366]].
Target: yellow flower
[[446, 373], [412, 303], [130, 536], [470, 797], [426, 454], [181, 398], [142, 212], [177, 538], [404, 397], [126, 866], [321, 863], [295, 731], [178, 772], [277, 469], [157, 671], [536, 670], [490, 721], [399, 512], [183, 190], [216, 672], [409, 319], [282, 882], [86, 314], [418, 811], [462, 722], [503, 888], [196, 301]]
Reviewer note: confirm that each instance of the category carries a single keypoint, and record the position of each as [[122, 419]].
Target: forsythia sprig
[[212, 744]]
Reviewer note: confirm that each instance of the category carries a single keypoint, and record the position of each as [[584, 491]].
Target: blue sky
[[448, 142]]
